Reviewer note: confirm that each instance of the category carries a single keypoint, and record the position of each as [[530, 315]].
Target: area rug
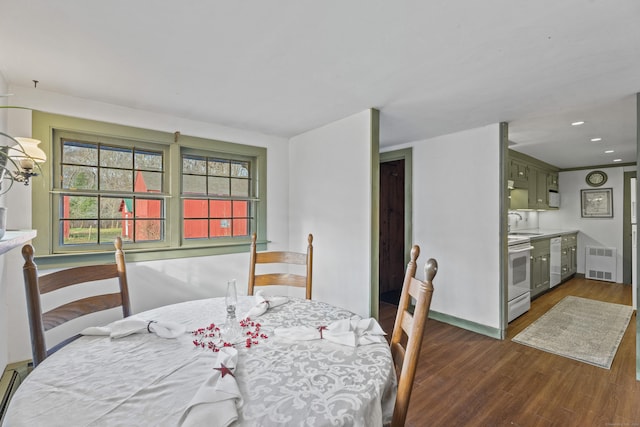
[[579, 328]]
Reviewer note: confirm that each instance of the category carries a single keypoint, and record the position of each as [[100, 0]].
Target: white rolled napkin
[[264, 303], [351, 332], [135, 325], [217, 400]]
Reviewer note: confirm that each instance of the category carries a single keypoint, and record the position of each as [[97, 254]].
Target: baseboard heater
[[9, 382], [600, 263]]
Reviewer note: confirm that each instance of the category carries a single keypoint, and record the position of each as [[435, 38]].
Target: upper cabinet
[[519, 173], [552, 180], [532, 180], [538, 190]]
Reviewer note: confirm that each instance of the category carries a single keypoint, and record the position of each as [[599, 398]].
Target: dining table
[[279, 373]]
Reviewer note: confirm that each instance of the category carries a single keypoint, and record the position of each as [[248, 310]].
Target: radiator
[[600, 263], [9, 381]]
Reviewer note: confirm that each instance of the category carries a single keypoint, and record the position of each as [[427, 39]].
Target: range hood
[[519, 199]]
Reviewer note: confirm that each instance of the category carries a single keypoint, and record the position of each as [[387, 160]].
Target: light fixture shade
[[30, 148]]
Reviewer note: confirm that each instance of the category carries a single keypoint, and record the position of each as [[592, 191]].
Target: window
[[165, 196], [217, 197], [108, 191]]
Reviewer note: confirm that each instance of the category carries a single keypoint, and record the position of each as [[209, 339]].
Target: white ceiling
[[284, 67]]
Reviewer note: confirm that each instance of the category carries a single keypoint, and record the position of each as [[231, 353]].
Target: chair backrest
[[286, 279], [36, 286], [408, 330]]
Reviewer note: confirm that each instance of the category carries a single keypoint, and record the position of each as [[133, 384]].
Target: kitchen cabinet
[[538, 191], [519, 173], [540, 266], [552, 181], [532, 180], [569, 256]]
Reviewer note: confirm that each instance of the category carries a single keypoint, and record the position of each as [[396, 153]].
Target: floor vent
[[600, 263]]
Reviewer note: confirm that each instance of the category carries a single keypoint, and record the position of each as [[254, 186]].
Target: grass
[[80, 235]]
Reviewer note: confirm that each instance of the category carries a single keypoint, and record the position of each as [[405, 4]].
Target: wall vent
[[600, 263]]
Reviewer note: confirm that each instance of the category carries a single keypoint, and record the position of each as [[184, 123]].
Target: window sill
[[136, 255]]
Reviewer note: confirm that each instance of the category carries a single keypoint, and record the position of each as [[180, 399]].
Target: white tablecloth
[[144, 380]]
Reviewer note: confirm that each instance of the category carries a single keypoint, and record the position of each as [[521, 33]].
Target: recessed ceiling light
[[577, 123], [617, 160], [609, 151], [596, 139]]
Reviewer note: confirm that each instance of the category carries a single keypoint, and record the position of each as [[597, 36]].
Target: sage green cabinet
[[552, 181], [532, 180], [519, 173], [568, 256], [538, 191], [540, 266]]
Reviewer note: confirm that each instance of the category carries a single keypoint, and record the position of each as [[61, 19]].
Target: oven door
[[520, 266], [519, 292]]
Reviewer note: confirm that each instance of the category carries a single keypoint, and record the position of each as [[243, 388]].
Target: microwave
[[554, 199]]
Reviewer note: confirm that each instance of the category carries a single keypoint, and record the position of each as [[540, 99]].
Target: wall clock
[[596, 178]]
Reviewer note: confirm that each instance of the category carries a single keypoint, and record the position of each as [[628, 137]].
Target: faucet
[[516, 214], [509, 224]]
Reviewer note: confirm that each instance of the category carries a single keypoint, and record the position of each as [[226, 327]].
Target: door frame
[[405, 154], [637, 238], [626, 227]]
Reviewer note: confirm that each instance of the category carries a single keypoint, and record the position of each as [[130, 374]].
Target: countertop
[[541, 233]]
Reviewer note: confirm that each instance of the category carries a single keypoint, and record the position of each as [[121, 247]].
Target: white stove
[[518, 288]]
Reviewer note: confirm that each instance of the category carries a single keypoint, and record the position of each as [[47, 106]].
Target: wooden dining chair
[[36, 286], [286, 279], [408, 330]]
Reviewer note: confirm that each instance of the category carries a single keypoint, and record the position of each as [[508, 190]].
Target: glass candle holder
[[231, 331]]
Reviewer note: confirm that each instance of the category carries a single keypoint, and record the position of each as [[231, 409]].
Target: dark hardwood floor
[[467, 379]]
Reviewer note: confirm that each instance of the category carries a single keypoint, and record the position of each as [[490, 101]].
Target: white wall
[[152, 283], [330, 197], [456, 220], [523, 220], [4, 318], [592, 231]]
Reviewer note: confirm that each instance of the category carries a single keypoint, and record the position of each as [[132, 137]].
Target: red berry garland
[[211, 339]]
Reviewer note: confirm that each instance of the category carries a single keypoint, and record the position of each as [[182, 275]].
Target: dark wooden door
[[391, 228]]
